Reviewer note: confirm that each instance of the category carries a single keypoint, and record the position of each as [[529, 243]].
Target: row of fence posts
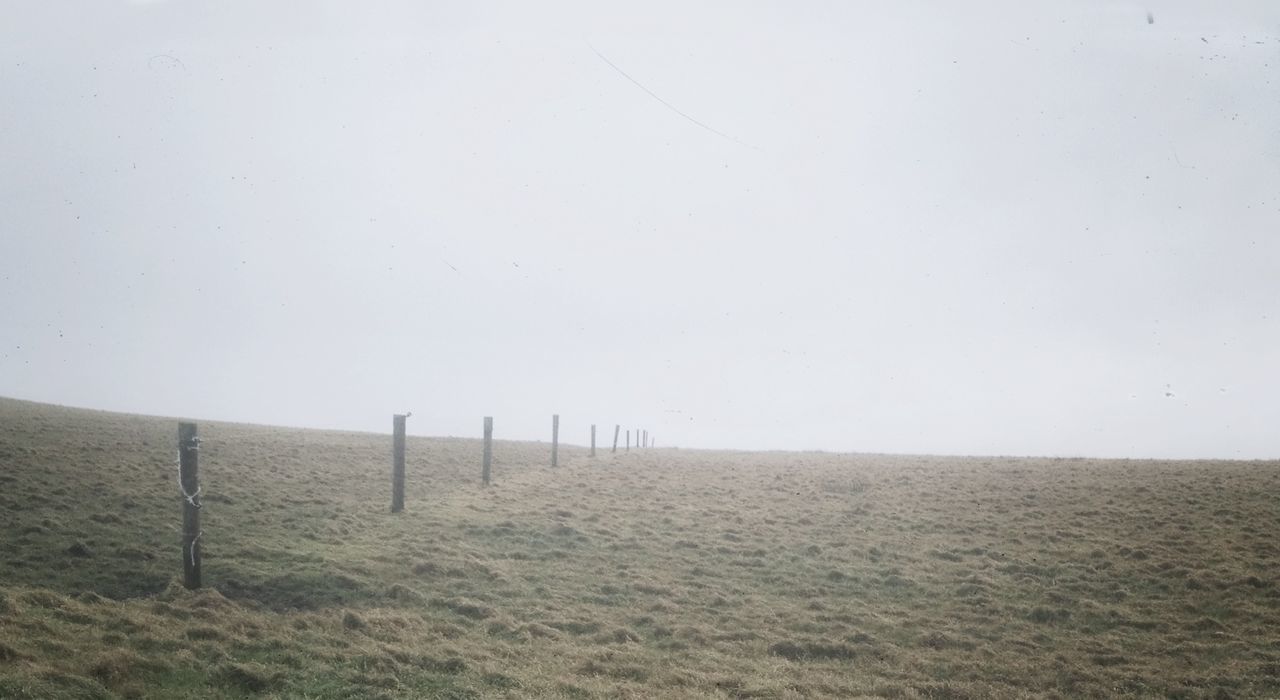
[[398, 442], [189, 477]]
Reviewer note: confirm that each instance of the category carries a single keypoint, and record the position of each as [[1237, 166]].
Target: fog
[[978, 228]]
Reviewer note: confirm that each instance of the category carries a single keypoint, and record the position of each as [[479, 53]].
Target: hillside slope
[[659, 573]]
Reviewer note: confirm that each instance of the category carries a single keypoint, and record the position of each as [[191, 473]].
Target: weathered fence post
[[397, 463], [555, 437], [593, 440], [628, 441], [488, 449], [646, 438], [616, 428], [189, 482]]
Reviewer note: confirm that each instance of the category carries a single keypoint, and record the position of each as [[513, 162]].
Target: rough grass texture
[[662, 573]]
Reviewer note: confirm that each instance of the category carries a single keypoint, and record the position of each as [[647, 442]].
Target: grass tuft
[[811, 651], [115, 667], [248, 676], [404, 594], [352, 621], [8, 654], [209, 634], [466, 608]]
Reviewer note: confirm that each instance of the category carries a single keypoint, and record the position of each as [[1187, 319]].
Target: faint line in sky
[[666, 104], [1178, 160]]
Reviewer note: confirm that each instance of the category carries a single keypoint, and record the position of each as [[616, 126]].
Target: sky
[[992, 228]]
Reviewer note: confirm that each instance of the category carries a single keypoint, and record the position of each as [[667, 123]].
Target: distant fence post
[[628, 441], [593, 440], [646, 438], [616, 428], [397, 463], [555, 437], [189, 482], [488, 449]]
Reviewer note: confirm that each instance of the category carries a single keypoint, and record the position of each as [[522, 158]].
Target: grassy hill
[[659, 573]]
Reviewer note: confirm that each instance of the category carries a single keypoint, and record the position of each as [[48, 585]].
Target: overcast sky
[[925, 227]]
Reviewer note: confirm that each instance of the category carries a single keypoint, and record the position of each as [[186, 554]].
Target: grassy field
[[662, 573]]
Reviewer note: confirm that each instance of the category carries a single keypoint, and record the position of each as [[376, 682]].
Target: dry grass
[[666, 573]]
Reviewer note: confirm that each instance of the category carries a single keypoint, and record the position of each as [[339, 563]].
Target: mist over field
[[970, 311], [997, 228]]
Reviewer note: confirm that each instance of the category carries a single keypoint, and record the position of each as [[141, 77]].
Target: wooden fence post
[[488, 449], [646, 438], [616, 428], [628, 441], [593, 440], [555, 437], [397, 463], [189, 482]]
